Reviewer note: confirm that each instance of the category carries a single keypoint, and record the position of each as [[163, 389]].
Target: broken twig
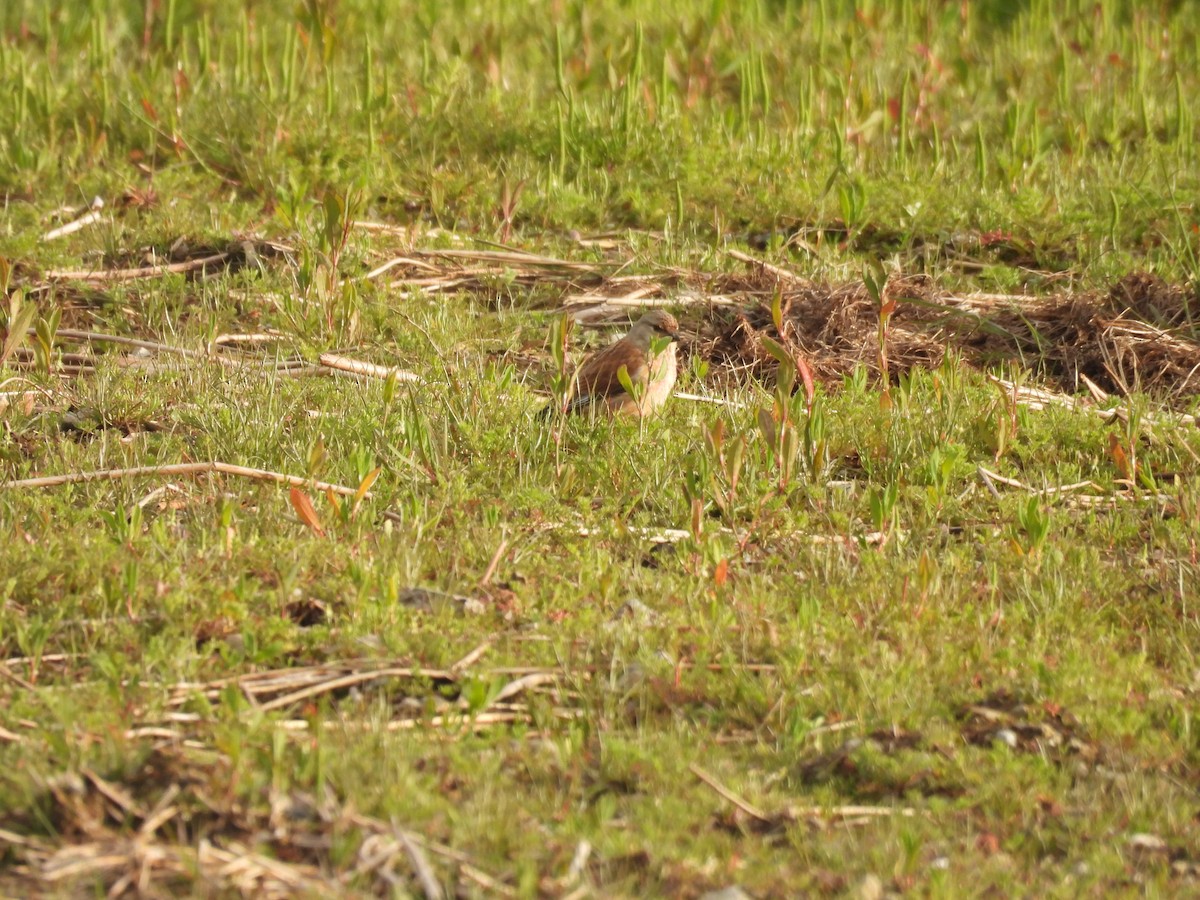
[[182, 469]]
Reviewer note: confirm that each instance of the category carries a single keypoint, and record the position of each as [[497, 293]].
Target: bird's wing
[[597, 379]]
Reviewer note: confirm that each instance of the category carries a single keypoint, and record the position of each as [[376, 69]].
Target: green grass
[[1008, 675]]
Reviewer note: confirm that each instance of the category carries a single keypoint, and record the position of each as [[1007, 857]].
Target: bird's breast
[[661, 382]]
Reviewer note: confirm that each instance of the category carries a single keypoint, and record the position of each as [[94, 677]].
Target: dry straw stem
[[476, 722], [1037, 399], [782, 274], [16, 679], [494, 562], [254, 338], [716, 401], [399, 261], [466, 865], [990, 477], [140, 860], [260, 685], [23, 356], [79, 224], [675, 535], [593, 308], [95, 337], [108, 275], [275, 690], [362, 369], [850, 812], [45, 658], [88, 218], [140, 863], [22, 399], [421, 867], [486, 881], [510, 258], [200, 468], [289, 368], [383, 228], [278, 688], [253, 872], [744, 805], [440, 284], [345, 681], [132, 864], [453, 270], [496, 712], [471, 658], [793, 813], [284, 687]]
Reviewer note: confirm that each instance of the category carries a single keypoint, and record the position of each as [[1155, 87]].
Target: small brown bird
[[598, 386]]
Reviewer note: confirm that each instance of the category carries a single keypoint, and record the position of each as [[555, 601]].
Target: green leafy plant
[[794, 420], [418, 445], [1033, 519], [876, 282], [561, 381], [124, 525], [882, 503], [940, 468], [17, 321]]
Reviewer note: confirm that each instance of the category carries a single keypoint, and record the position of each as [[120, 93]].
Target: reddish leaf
[[998, 236], [925, 53], [721, 574], [1120, 457], [806, 376], [988, 844], [304, 509], [1049, 805]]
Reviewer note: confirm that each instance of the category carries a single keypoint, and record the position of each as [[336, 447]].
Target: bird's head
[[658, 323]]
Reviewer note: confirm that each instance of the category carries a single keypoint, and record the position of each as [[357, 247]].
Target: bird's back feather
[[597, 384]]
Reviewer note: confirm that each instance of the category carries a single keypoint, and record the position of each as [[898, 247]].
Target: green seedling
[[876, 282], [560, 380], [883, 508], [1034, 522]]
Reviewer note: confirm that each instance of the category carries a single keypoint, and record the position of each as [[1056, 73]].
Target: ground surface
[[900, 597]]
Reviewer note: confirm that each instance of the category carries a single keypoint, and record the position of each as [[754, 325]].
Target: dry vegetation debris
[[1140, 335]]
